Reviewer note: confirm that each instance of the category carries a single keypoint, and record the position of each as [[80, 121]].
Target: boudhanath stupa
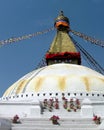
[[64, 88]]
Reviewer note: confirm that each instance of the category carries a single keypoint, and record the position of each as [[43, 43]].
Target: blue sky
[[21, 17]]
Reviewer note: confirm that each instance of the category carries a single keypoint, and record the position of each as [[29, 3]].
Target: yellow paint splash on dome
[[8, 91], [21, 86], [39, 82], [62, 83], [102, 79], [86, 82]]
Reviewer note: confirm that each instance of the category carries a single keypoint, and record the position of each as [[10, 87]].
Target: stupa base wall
[[22, 109], [90, 108]]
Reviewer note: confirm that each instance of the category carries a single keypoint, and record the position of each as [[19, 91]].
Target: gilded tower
[[62, 48]]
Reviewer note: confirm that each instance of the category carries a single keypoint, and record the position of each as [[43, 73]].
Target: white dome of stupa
[[58, 78]]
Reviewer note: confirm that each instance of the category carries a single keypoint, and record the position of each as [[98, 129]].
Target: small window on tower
[[98, 95], [59, 61], [80, 94], [38, 94], [70, 61], [68, 94], [50, 94], [43, 94], [75, 94], [86, 94], [55, 61], [66, 61]]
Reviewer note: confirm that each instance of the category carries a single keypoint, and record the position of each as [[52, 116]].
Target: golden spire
[[62, 48]]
